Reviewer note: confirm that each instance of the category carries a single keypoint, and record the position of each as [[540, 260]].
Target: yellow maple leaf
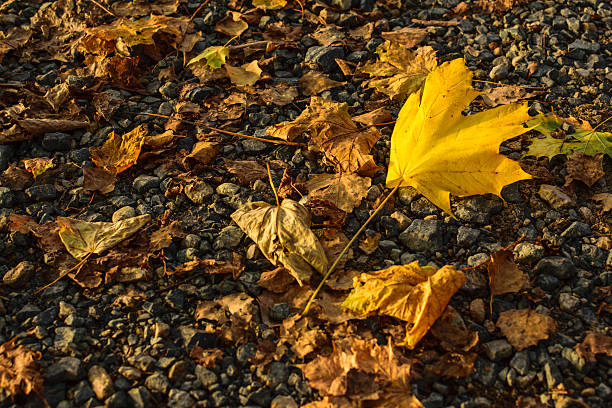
[[215, 56], [247, 74], [439, 151], [119, 153], [38, 165], [413, 293], [269, 4]]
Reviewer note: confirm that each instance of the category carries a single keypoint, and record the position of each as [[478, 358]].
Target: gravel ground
[[97, 352]]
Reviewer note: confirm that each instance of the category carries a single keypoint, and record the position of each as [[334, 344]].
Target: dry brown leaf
[[139, 8], [302, 336], [210, 310], [452, 332], [15, 177], [98, 179], [453, 365], [244, 75], [418, 295], [247, 171], [314, 82], [588, 169], [525, 328], [370, 243], [38, 165], [344, 190], [232, 24], [333, 241], [212, 266], [605, 199], [119, 153], [283, 235], [407, 36], [280, 95], [57, 95], [202, 152], [19, 371], [206, 357], [503, 95], [594, 343], [378, 116], [47, 233], [436, 23], [329, 35], [498, 6], [40, 126], [504, 274], [277, 280], [162, 238], [15, 38]]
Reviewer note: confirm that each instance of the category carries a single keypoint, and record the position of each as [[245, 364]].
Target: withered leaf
[[415, 294], [525, 328], [344, 190], [314, 82], [232, 24], [206, 357], [277, 280], [98, 179], [82, 238], [377, 116], [247, 171], [119, 153], [246, 74], [203, 152], [605, 199], [594, 343], [40, 126], [280, 95], [406, 36], [162, 238], [503, 95], [57, 95], [38, 165], [504, 274], [451, 331], [284, 237], [454, 365], [19, 371], [585, 168]]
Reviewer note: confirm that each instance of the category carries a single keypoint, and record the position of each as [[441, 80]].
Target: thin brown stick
[[227, 132], [247, 45], [104, 8], [81, 262], [195, 13], [272, 184]]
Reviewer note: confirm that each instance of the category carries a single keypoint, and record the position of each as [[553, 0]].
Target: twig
[[81, 262], [247, 45], [104, 8], [500, 84], [272, 184], [345, 249], [195, 13], [227, 132]]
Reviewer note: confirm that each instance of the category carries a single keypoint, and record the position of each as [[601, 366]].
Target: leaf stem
[[345, 249], [272, 184], [81, 262]]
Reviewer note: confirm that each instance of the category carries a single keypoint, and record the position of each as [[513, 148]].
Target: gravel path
[[130, 344]]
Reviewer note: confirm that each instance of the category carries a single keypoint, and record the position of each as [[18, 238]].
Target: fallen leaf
[[436, 23], [119, 153], [82, 238], [415, 294], [15, 177], [582, 167], [283, 235], [408, 37], [401, 71], [503, 95], [593, 344], [329, 35], [14, 38], [277, 280], [206, 357], [210, 310], [98, 179], [334, 241], [19, 371], [584, 140], [344, 190], [215, 56], [303, 337], [203, 152], [232, 24], [40, 126], [246, 74], [375, 117], [247, 171], [370, 244], [38, 166], [525, 328], [139, 8], [451, 331], [504, 274], [314, 82], [605, 199], [269, 4], [162, 238], [280, 95], [57, 95], [453, 365], [498, 6], [439, 151]]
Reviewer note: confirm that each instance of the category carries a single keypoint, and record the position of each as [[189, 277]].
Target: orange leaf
[[119, 153]]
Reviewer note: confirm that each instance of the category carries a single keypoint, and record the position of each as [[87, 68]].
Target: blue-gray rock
[[169, 90], [197, 95], [121, 400], [577, 229], [498, 349], [604, 391], [422, 207], [520, 362], [28, 310], [478, 210], [424, 235], [584, 45], [554, 196], [144, 183], [253, 146], [279, 312], [46, 317], [229, 238], [81, 393], [57, 141], [434, 400], [41, 192], [499, 72], [65, 369], [20, 275], [278, 373], [245, 352], [123, 213], [558, 266], [324, 56], [548, 282], [205, 376], [176, 299], [101, 382], [77, 81], [227, 189], [6, 153], [467, 237], [194, 337]]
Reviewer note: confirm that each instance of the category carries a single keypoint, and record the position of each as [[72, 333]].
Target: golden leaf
[[38, 166], [246, 74], [594, 343], [439, 151], [344, 190], [525, 328], [19, 371], [283, 235], [415, 294], [82, 238], [269, 4], [232, 24], [215, 56], [119, 153], [314, 82], [504, 274], [402, 70]]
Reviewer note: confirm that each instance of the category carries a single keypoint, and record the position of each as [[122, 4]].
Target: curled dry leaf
[[344, 190], [585, 168], [232, 24], [370, 243], [503, 95], [19, 371], [453, 365], [605, 199], [38, 165], [247, 171], [139, 8], [162, 238], [202, 152], [303, 337], [418, 295], [206, 357], [594, 343], [504, 274], [269, 4], [329, 35], [212, 266], [280, 95], [439, 151], [246, 74], [82, 238], [375, 117], [408, 37], [57, 95], [400, 70], [119, 153], [314, 82], [584, 140], [334, 241], [525, 328], [277, 280], [98, 179], [283, 235], [451, 331]]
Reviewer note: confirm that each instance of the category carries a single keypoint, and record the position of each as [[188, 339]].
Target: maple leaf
[[344, 190], [415, 294], [402, 70], [215, 56], [246, 74], [232, 25], [438, 151], [333, 132], [38, 166], [525, 328], [407, 36], [283, 235], [82, 238], [314, 82], [99, 179], [504, 274], [269, 4], [585, 168], [594, 343], [19, 371], [503, 95], [605, 199], [119, 153], [584, 140]]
